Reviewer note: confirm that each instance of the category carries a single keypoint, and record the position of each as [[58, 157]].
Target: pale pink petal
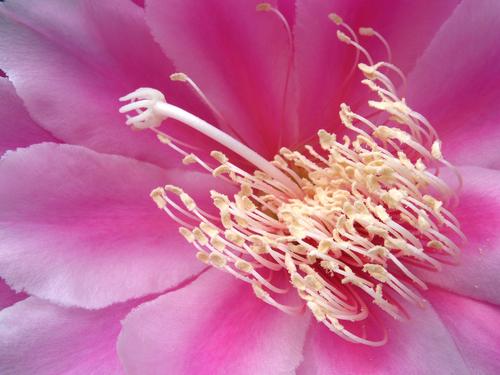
[[215, 325], [478, 275], [455, 84], [8, 296], [474, 328], [421, 345], [79, 228], [323, 62], [70, 63], [17, 129], [238, 56], [37, 337]]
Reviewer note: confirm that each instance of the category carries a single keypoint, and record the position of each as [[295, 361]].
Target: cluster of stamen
[[347, 221]]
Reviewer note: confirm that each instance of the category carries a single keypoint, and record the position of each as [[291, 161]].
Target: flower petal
[[37, 337], [473, 327], [215, 325], [455, 84], [70, 65], [420, 345], [238, 56], [8, 296], [323, 62], [17, 129], [478, 275], [79, 228]]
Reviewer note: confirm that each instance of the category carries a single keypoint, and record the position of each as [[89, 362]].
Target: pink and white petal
[[215, 325], [17, 129], [474, 328], [478, 275], [70, 65], [238, 56], [421, 345], [8, 296], [37, 337], [323, 62], [78, 227], [455, 84]]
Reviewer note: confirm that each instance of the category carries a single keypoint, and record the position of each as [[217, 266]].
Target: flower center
[[347, 222]]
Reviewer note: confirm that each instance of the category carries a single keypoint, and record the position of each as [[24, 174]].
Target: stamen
[[266, 7], [344, 222], [183, 77], [368, 31]]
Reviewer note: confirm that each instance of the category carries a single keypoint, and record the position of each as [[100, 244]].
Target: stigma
[[345, 221]]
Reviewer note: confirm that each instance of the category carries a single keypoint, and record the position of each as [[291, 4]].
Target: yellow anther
[[378, 251], [202, 257], [423, 223], [225, 217], [163, 138], [217, 243], [157, 196], [221, 169], [377, 272], [217, 260], [187, 234], [312, 282], [189, 159], [317, 311], [234, 237], [246, 190], [221, 201], [335, 18], [298, 281], [343, 37], [200, 237], [263, 7], [366, 31], [178, 77], [433, 203], [174, 189], [259, 292], [210, 229], [243, 266], [219, 156], [369, 71], [188, 201], [435, 245]]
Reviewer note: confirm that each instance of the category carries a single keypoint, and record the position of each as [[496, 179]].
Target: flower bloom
[[321, 223]]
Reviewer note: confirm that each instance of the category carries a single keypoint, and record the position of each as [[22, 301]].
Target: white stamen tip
[[143, 101]]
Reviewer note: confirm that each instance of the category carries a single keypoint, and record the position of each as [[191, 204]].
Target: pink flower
[[108, 286]]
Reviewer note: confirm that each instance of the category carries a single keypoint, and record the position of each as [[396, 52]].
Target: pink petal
[[421, 345], [37, 337], [478, 275], [70, 63], [455, 84], [17, 129], [215, 325], [323, 62], [79, 228], [474, 327], [8, 296], [238, 56]]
